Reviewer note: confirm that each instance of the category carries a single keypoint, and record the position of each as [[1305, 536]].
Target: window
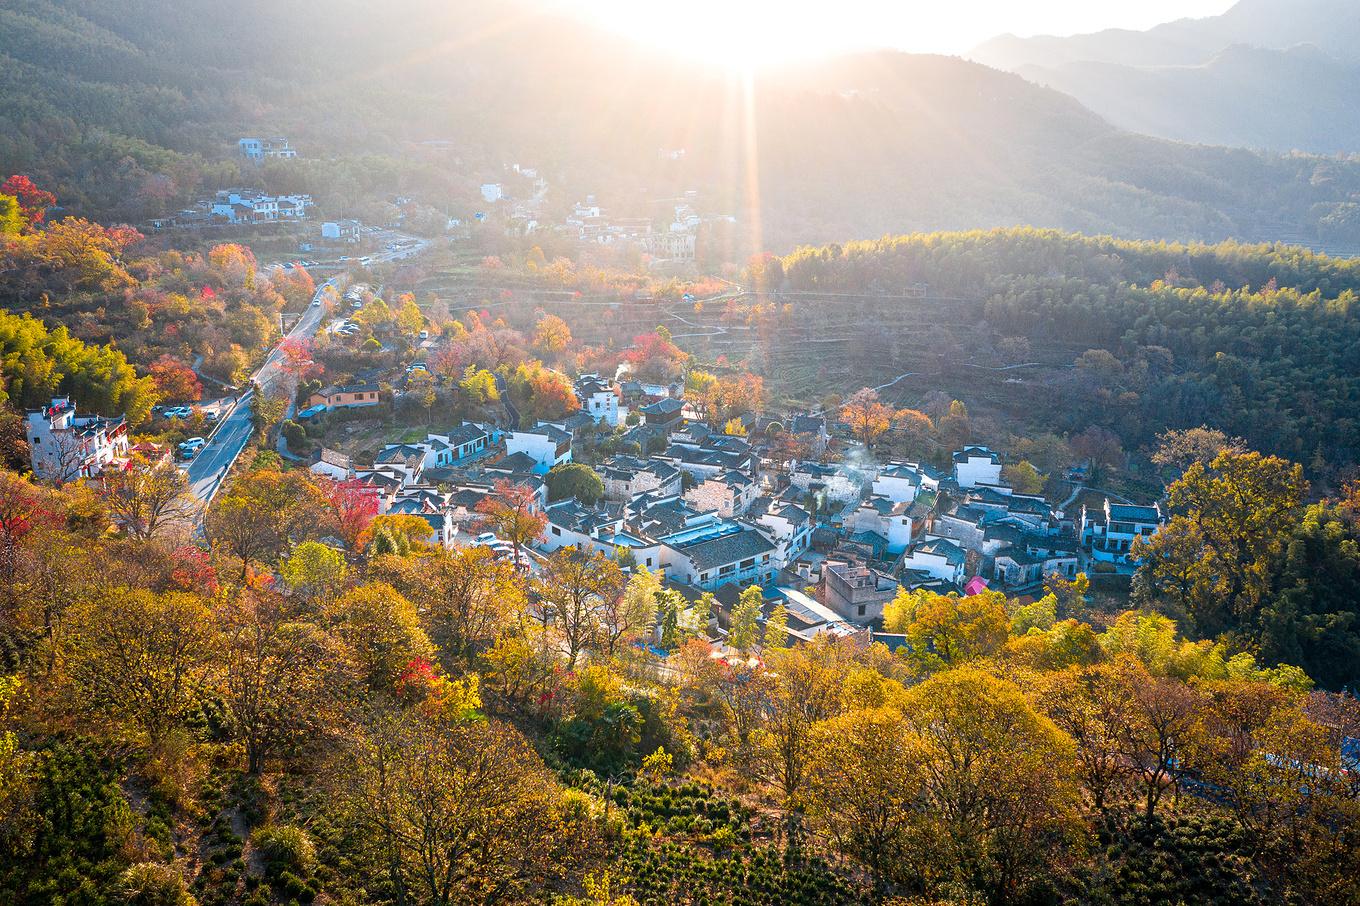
[[556, 530], [703, 577], [747, 564], [861, 610], [649, 561]]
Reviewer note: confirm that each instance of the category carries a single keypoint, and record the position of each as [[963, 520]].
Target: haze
[[744, 32]]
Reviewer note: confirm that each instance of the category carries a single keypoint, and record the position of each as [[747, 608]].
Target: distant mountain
[[1269, 74], [129, 108]]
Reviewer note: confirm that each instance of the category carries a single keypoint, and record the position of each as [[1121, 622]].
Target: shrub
[[153, 884], [286, 846]]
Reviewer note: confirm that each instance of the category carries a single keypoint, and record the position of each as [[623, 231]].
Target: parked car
[[485, 538], [179, 412], [193, 443], [424, 334]]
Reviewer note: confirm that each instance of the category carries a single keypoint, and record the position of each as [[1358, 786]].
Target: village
[[830, 534]]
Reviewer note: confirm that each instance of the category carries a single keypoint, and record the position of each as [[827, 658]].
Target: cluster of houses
[[713, 512], [709, 511]]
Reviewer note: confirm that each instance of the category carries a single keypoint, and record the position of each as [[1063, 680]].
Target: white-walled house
[[975, 466], [938, 557], [1110, 532], [732, 555], [343, 230], [260, 148], [900, 482], [598, 400], [547, 445], [65, 446], [790, 528]]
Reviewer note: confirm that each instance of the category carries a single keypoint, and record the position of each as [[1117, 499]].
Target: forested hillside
[[1261, 342], [132, 110]]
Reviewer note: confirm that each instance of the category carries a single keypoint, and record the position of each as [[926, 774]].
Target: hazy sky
[[783, 29]]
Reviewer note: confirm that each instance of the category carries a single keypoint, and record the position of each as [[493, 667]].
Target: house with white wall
[[937, 557], [65, 446], [975, 466], [547, 445], [598, 400]]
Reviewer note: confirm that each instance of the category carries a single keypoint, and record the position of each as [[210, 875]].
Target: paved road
[[206, 470], [210, 466]]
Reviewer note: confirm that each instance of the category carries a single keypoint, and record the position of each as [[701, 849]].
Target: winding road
[[206, 470]]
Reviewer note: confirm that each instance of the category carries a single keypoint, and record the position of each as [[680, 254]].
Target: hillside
[[128, 111], [1266, 74]]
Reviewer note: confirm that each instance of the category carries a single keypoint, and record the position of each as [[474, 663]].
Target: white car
[[193, 443], [316, 303], [418, 366], [179, 412]]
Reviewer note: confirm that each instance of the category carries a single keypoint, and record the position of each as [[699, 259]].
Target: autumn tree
[[1217, 554], [263, 514], [864, 790], [998, 779], [466, 596], [461, 811], [578, 587], [954, 427], [1178, 450], [351, 508], [1024, 478], [630, 615], [1160, 733], [511, 511], [174, 380], [287, 684], [1102, 451], [866, 417], [315, 570], [808, 686], [914, 429], [551, 336], [1090, 705], [147, 499], [947, 630], [33, 202], [139, 655], [381, 628]]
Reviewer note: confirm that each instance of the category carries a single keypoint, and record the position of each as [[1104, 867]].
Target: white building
[[598, 400], [491, 192], [547, 445], [65, 446], [975, 466], [939, 558], [1110, 533], [789, 526], [260, 148], [670, 246], [900, 482], [344, 230]]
